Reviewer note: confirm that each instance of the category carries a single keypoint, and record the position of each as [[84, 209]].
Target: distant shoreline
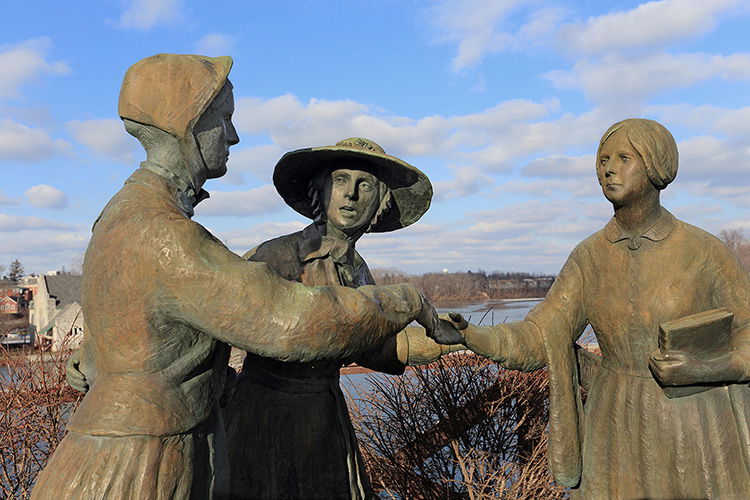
[[447, 304]]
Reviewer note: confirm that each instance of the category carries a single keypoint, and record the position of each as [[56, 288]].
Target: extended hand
[[448, 330]]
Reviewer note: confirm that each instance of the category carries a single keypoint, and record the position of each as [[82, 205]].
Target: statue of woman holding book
[[288, 428], [643, 269]]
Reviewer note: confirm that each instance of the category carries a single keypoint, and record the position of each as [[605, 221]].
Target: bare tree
[[35, 402], [461, 428], [737, 242], [76, 265]]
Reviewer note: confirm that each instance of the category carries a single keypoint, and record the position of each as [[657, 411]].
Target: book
[[705, 335]]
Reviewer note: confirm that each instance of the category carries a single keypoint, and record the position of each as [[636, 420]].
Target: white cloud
[[46, 196], [292, 125], [25, 62], [15, 223], [240, 241], [466, 181], [43, 249], [628, 81], [258, 160], [147, 14], [648, 26], [106, 137], [718, 160], [555, 187], [560, 166], [25, 144], [258, 201], [215, 44], [482, 27]]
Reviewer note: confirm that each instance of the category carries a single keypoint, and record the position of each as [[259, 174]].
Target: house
[[65, 331], [10, 289], [30, 283], [9, 306], [57, 294]]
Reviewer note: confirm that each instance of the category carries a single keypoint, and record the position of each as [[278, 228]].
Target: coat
[[296, 412], [162, 299]]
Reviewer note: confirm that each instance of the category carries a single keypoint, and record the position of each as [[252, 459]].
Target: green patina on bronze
[[347, 189], [163, 299]]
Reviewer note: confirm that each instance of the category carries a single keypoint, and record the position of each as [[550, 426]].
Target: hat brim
[[411, 190]]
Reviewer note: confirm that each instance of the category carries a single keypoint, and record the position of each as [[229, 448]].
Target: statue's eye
[[624, 157], [603, 160], [339, 181], [365, 186]]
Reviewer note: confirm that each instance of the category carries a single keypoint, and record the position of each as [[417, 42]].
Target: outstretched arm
[[255, 309], [520, 345]]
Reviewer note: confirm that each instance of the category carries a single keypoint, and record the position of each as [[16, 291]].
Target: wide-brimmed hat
[[411, 190]]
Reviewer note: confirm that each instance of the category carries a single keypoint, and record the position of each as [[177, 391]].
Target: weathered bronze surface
[[163, 298], [295, 412], [644, 268]]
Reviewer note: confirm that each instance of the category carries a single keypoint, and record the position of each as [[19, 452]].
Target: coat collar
[[183, 189], [315, 244], [662, 228]]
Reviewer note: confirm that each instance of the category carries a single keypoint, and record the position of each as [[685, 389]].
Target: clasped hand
[[448, 330]]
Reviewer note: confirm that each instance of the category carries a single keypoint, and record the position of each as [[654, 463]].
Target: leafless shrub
[[35, 401], [459, 428]]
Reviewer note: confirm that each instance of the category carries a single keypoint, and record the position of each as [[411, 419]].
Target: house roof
[[66, 288]]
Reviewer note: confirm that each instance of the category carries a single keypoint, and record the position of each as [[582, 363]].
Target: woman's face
[[621, 172], [350, 198], [215, 132]]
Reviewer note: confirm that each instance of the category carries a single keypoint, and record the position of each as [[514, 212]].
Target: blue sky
[[500, 102]]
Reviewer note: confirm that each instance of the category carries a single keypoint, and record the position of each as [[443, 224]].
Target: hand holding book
[[695, 354]]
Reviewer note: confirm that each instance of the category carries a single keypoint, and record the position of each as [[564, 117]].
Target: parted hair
[[655, 145]]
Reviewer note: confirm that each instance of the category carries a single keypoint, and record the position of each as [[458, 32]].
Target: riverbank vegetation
[[445, 289], [460, 428]]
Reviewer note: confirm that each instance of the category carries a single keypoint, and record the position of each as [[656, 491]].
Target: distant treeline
[[445, 288]]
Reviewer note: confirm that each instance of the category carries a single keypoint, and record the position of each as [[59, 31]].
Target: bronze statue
[[643, 270], [288, 428], [162, 298]]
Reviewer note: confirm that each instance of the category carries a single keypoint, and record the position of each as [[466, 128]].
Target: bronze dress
[[288, 429], [632, 441]]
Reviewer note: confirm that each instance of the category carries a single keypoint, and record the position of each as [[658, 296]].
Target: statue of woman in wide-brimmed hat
[[163, 298], [288, 427]]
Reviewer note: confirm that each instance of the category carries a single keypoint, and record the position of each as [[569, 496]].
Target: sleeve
[[732, 290], [201, 283], [520, 345]]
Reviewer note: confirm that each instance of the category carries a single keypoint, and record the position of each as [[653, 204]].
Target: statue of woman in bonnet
[[163, 299], [643, 269], [288, 428]]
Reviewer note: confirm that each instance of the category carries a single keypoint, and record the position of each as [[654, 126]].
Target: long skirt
[[640, 444], [191, 465], [292, 439]]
